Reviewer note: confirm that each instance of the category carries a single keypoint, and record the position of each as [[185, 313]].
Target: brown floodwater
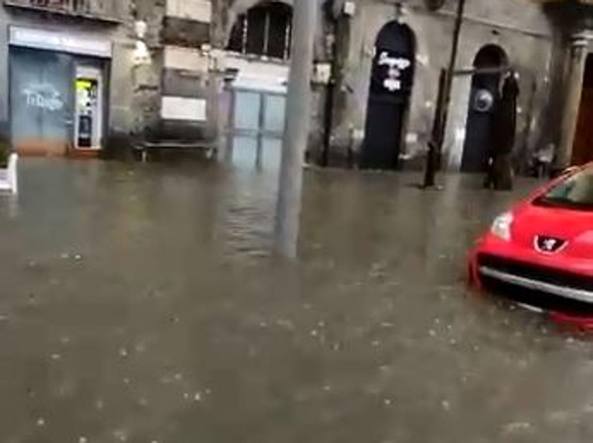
[[139, 303]]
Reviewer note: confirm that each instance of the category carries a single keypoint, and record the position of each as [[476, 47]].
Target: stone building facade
[[495, 36], [176, 87], [227, 94], [197, 74], [547, 42], [65, 75], [217, 75]]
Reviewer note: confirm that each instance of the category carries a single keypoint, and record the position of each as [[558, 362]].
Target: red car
[[540, 253]]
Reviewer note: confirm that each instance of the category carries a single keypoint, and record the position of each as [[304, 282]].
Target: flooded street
[[140, 304]]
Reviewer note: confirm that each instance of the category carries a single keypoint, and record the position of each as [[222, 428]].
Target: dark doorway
[[582, 151], [489, 64], [392, 78]]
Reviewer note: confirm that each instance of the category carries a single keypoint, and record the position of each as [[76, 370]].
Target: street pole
[[435, 146], [296, 128]]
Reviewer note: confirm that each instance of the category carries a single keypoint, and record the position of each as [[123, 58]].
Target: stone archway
[[392, 78], [489, 64], [261, 28]]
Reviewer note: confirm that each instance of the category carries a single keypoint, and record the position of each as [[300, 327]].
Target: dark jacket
[[505, 118]]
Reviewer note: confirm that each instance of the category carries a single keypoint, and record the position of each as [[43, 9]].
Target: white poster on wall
[[182, 108]]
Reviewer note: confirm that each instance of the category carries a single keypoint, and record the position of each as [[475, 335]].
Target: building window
[[66, 5], [265, 30]]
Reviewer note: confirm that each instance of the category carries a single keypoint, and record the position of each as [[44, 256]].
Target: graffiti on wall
[[43, 96]]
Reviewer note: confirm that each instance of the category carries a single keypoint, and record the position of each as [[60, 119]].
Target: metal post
[[261, 132], [296, 129], [435, 146], [574, 89]]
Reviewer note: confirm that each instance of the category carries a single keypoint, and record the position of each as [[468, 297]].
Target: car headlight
[[502, 226]]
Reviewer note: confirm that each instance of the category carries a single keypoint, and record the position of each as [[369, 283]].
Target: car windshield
[[576, 192]]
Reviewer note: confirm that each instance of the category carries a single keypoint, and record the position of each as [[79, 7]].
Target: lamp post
[[296, 129]]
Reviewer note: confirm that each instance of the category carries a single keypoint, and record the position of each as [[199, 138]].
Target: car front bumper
[[562, 287], [581, 295]]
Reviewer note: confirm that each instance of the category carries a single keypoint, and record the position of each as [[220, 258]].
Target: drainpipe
[[435, 145], [330, 97], [338, 12]]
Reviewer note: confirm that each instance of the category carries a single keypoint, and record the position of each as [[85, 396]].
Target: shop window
[[265, 30], [94, 8], [66, 5]]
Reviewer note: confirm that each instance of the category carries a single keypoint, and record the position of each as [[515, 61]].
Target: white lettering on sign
[[60, 41], [396, 65], [43, 96]]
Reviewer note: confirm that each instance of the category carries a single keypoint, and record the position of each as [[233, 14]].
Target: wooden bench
[[144, 148]]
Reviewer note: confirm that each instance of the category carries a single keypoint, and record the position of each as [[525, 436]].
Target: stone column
[[573, 90]]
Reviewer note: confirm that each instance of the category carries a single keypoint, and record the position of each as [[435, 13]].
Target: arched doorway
[[489, 64], [392, 78]]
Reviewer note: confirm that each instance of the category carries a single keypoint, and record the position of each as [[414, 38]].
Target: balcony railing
[[108, 10]]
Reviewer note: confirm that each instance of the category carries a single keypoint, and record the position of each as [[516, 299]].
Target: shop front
[[58, 92]]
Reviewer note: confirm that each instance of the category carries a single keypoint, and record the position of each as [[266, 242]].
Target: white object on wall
[[9, 176], [217, 59], [198, 10], [140, 28], [349, 8], [257, 74], [422, 59], [411, 138], [141, 53], [187, 59], [183, 108], [322, 73]]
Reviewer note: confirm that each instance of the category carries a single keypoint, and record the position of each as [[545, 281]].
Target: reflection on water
[[263, 154], [140, 303]]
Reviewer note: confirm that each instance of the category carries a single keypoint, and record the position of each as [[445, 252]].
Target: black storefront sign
[[393, 74], [392, 78]]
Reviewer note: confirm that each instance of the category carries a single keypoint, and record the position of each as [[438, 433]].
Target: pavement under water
[[140, 303]]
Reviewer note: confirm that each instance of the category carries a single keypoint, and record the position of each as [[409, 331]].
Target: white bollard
[[12, 173]]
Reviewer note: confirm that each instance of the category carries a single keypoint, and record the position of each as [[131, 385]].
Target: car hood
[[575, 227]]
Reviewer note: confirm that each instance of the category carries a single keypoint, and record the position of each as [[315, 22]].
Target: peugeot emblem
[[549, 245]]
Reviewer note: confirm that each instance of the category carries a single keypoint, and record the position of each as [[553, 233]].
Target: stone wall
[[519, 27], [187, 41], [175, 102], [523, 31]]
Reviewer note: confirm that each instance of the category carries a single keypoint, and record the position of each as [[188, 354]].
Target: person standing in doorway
[[504, 128]]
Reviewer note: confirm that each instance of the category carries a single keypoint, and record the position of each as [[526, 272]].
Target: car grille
[[534, 272], [534, 297]]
